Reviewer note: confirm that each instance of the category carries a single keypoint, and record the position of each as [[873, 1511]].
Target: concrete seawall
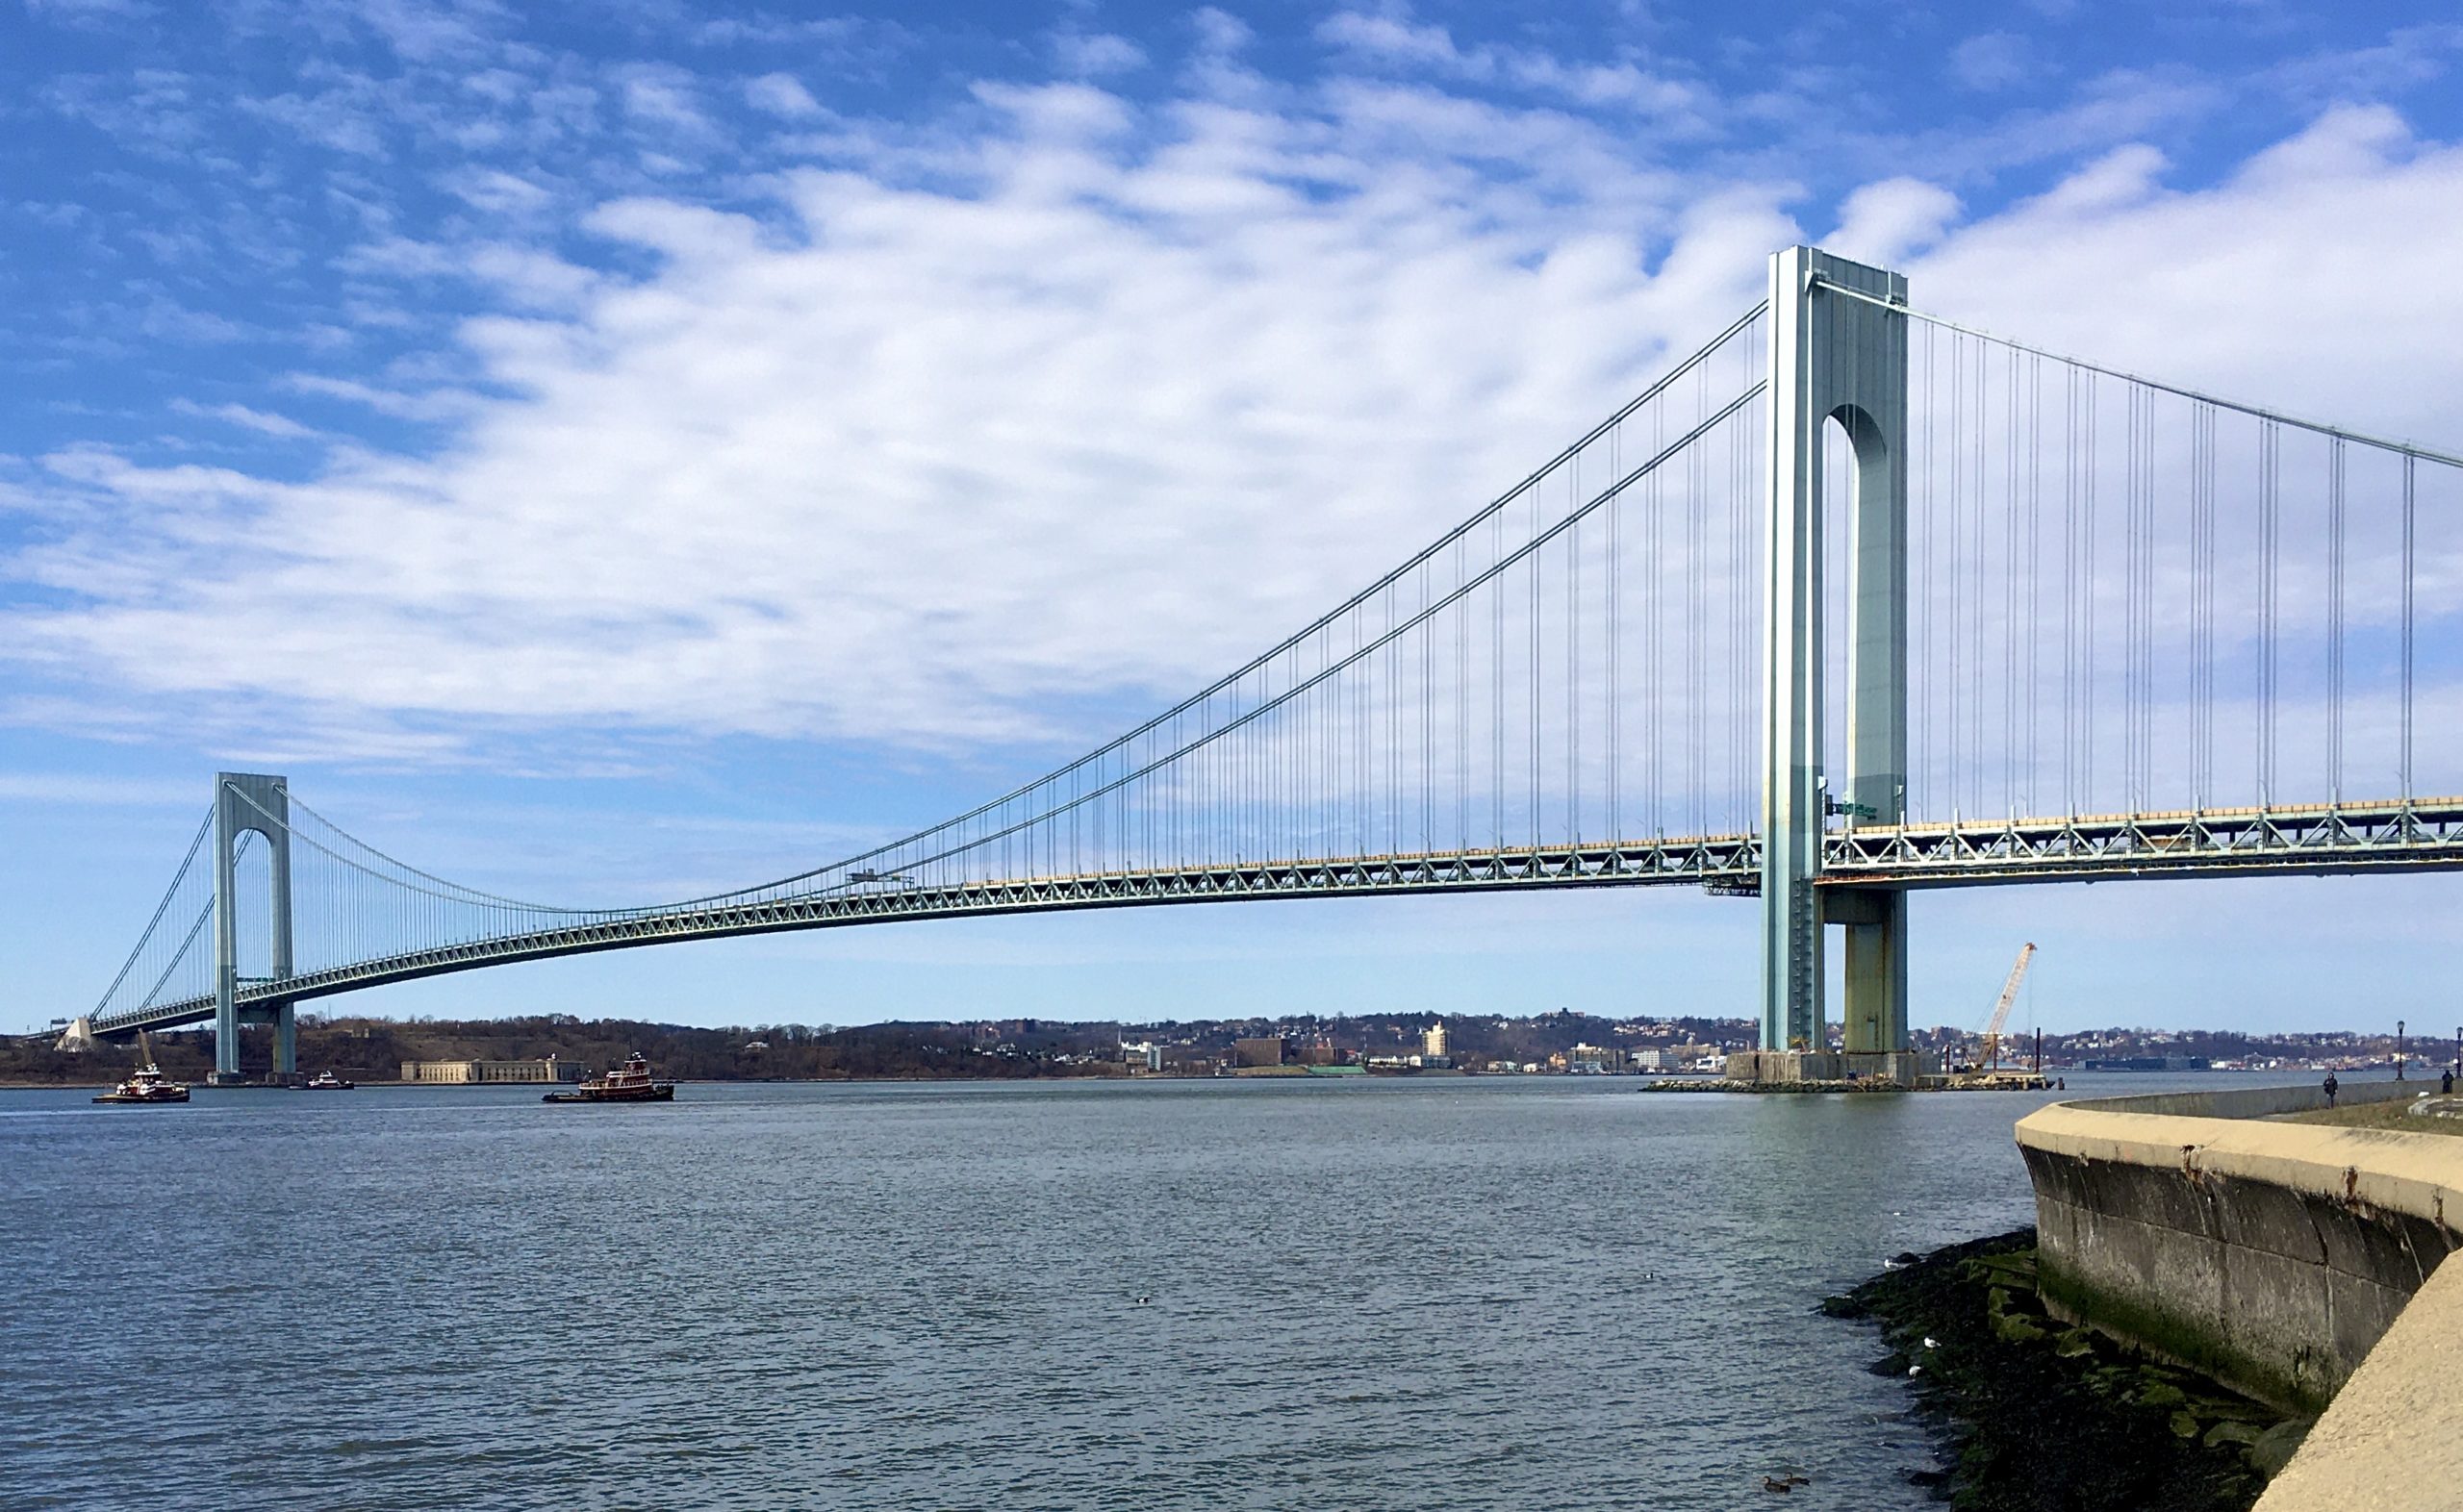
[[2270, 1255], [2273, 1256]]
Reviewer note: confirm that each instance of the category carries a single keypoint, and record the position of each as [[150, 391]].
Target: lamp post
[[2399, 1049]]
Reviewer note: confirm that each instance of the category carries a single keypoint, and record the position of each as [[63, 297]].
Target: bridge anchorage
[[2089, 626]]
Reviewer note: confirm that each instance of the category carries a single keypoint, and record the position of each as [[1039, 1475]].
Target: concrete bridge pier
[[245, 801], [1873, 920], [286, 1043]]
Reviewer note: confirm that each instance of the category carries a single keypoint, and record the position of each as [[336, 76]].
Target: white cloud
[[1220, 32], [2294, 281], [50, 789], [1883, 223], [1990, 62], [1398, 38], [773, 31], [346, 118], [261, 421], [663, 97], [522, 276], [2408, 58], [430, 404], [500, 192], [920, 464], [963, 429], [1394, 39], [780, 95], [422, 31], [1094, 56], [88, 12]]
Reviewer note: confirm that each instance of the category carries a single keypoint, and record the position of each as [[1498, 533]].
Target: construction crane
[[1991, 1050]]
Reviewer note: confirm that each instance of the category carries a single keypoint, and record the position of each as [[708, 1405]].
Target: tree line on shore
[[373, 1048]]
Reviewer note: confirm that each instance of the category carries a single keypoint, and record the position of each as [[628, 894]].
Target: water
[[1555, 1293]]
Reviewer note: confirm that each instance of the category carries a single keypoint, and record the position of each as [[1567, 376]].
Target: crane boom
[[2001, 1010]]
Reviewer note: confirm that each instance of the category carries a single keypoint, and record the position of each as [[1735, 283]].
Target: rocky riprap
[[2035, 1416]]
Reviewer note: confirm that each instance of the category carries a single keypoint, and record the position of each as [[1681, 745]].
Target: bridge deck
[[2313, 839]]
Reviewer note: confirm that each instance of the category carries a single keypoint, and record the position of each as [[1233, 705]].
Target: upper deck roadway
[[2315, 840]]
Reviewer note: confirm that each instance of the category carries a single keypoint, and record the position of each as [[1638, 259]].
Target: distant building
[[1144, 1055], [466, 1072], [2147, 1063], [1432, 1041], [1263, 1051], [1593, 1060], [1674, 1057]]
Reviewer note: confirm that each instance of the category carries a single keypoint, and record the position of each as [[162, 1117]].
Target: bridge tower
[[1833, 357], [244, 801]]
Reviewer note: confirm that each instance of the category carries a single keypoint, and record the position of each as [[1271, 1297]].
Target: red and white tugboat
[[147, 1083], [629, 1082]]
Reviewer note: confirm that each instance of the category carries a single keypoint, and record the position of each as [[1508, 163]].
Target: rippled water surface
[[1439, 1293]]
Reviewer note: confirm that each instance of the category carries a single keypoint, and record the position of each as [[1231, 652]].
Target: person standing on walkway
[[2445, 1082], [2330, 1089]]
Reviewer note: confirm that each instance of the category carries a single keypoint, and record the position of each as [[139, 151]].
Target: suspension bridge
[[2083, 625]]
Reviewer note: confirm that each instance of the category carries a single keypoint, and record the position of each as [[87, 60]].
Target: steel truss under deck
[[1675, 861], [2419, 833], [2316, 839]]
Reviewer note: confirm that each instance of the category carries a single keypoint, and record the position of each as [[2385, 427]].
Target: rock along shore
[[2034, 1416]]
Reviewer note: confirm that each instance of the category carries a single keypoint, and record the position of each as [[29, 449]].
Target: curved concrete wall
[[2270, 1255]]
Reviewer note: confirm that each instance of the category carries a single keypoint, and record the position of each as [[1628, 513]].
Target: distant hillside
[[374, 1049]]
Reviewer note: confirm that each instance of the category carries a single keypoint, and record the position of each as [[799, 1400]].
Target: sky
[[614, 452]]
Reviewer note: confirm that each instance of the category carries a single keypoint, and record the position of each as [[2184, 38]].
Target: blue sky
[[611, 452]]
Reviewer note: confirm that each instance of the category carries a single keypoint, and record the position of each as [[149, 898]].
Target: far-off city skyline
[[612, 464]]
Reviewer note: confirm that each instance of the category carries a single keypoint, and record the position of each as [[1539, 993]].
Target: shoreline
[[365, 1084], [2022, 1408]]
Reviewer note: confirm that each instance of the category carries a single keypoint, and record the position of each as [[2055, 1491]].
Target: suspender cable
[[1531, 696], [1698, 712], [1955, 559], [1655, 606], [1927, 576], [1573, 679], [2070, 593], [1739, 728], [2133, 566], [2269, 459], [2009, 586], [1492, 577], [2335, 620], [2256, 412], [1615, 645], [2087, 604], [2035, 573], [188, 863], [1428, 720], [2202, 602], [2403, 756], [1978, 665], [2152, 510], [1461, 707], [1496, 683]]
